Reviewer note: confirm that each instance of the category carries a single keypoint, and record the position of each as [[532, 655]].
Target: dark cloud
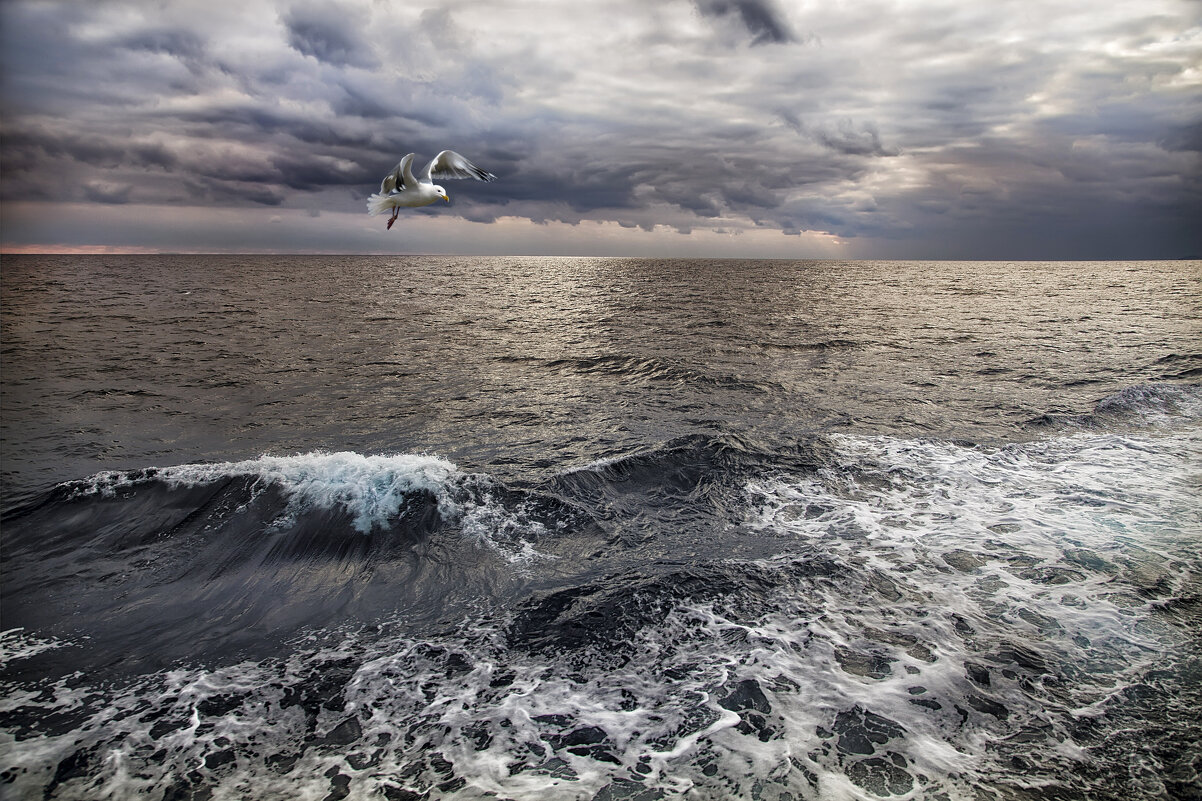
[[231, 192], [844, 137], [903, 133], [760, 19], [354, 103], [852, 140], [1187, 137], [328, 34], [54, 160], [104, 192], [184, 45], [305, 172], [255, 124], [790, 119]]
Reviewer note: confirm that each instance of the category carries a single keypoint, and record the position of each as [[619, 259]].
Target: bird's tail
[[378, 204]]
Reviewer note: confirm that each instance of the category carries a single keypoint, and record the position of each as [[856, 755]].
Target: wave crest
[[1141, 406], [372, 489]]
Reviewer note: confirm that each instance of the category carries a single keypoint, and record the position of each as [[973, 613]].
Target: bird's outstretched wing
[[401, 177], [449, 164]]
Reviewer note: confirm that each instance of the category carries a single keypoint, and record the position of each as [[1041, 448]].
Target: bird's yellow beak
[[447, 198]]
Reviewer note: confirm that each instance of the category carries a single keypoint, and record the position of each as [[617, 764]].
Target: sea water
[[529, 528]]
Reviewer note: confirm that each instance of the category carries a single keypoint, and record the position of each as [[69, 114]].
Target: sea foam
[[371, 488]]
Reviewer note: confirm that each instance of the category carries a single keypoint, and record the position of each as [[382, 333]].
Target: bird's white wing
[[449, 164], [401, 177]]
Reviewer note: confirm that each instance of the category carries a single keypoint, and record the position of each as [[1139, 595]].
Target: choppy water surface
[[345, 527]]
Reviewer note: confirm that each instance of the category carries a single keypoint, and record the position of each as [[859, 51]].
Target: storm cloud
[[763, 22], [328, 33], [932, 129]]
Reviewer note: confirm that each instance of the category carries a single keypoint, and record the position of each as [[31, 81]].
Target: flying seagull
[[401, 190]]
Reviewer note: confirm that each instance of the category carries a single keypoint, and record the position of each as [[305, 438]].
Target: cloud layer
[[926, 128]]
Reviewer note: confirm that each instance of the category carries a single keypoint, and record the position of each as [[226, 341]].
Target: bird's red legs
[[395, 211]]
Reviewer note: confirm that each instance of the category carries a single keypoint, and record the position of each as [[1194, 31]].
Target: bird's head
[[442, 193]]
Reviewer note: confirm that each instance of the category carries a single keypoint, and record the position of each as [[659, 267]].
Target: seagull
[[400, 189]]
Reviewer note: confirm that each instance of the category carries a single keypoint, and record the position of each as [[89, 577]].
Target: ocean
[[325, 527]]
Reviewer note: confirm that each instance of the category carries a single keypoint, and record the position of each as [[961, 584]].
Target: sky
[[916, 129]]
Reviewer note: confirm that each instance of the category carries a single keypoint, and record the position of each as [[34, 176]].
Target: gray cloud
[[326, 33], [184, 45], [845, 136], [917, 133], [1187, 137], [761, 20], [852, 140], [48, 163], [230, 190], [105, 192]]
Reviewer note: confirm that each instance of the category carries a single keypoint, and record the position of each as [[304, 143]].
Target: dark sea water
[[540, 528]]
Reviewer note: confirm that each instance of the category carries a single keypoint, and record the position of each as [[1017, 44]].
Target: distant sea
[[571, 528]]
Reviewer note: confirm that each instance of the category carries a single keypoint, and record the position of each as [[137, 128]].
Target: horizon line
[[106, 250]]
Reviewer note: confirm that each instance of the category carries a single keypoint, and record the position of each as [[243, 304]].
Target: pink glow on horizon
[[71, 250]]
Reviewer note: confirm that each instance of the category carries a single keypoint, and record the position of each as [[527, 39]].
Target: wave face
[[608, 530], [199, 559]]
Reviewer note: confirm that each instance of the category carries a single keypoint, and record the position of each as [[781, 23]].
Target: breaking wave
[[845, 617]]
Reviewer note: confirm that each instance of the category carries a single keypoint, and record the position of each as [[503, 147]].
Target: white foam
[[905, 493], [505, 530], [372, 489], [1034, 545], [1051, 546], [20, 644]]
